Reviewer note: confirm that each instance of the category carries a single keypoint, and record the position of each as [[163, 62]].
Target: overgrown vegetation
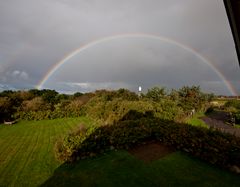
[[124, 119], [102, 105], [210, 145], [233, 107]]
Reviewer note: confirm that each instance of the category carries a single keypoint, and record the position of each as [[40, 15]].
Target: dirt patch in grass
[[150, 151]]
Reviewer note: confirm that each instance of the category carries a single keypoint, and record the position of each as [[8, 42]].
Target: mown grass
[[26, 150], [195, 121], [122, 169], [27, 159]]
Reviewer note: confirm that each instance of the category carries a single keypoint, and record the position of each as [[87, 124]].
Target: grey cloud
[[20, 75], [34, 35], [15, 76], [71, 87]]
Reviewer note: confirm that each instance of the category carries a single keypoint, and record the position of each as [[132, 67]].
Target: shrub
[[66, 147], [210, 145], [6, 108], [34, 115], [36, 104], [237, 117], [209, 110], [156, 94], [109, 112], [233, 103]]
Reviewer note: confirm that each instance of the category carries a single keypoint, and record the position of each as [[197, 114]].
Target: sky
[[120, 44]]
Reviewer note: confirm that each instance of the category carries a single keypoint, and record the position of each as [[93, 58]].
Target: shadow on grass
[[119, 168], [110, 169]]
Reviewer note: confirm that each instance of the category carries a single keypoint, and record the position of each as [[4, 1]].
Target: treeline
[[103, 105]]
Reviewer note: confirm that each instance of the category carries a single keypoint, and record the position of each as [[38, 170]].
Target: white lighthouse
[[139, 90]]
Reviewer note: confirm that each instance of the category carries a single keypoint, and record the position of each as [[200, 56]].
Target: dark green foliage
[[6, 93], [68, 146], [34, 115], [233, 108], [209, 110], [237, 117], [61, 110], [114, 110], [11, 101], [122, 94], [156, 94], [210, 145], [233, 103], [134, 115], [77, 94], [49, 96], [35, 92], [109, 110], [40, 104], [6, 108], [62, 97], [103, 105], [192, 98]]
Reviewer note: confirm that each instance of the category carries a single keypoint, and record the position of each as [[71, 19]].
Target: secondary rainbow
[[135, 35]]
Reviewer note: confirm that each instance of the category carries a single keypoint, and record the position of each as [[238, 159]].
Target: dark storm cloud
[[35, 34]]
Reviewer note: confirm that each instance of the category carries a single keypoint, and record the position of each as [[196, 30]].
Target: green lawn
[[120, 169], [27, 159], [195, 121], [26, 150]]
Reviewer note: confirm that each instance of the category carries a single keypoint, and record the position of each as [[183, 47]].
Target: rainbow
[[135, 35]]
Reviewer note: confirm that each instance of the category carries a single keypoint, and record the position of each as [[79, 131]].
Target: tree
[[35, 92], [6, 93], [156, 93], [77, 94], [126, 95], [36, 104], [62, 97], [192, 98], [49, 96], [174, 95], [6, 108]]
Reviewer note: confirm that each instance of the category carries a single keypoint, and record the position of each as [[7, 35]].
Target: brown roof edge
[[233, 13]]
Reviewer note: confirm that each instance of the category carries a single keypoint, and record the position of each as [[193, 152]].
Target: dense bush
[[210, 145], [123, 94], [209, 110], [233, 103], [233, 108], [156, 94], [114, 110], [33, 115], [237, 117], [68, 146], [102, 105], [192, 98], [6, 109]]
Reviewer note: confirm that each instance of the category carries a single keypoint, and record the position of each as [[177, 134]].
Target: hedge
[[207, 144]]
